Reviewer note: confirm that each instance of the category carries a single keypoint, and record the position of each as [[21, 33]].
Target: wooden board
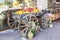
[[56, 16]]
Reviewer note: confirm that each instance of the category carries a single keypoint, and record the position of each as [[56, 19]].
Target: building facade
[[57, 5]]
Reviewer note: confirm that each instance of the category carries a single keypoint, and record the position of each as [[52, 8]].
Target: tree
[[7, 2], [1, 4]]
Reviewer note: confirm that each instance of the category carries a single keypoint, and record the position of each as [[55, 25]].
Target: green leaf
[[34, 32], [7, 2]]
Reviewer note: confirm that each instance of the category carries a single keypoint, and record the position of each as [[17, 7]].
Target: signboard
[[42, 4]]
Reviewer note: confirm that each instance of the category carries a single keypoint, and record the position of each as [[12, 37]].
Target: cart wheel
[[11, 23], [45, 22], [28, 18], [23, 28]]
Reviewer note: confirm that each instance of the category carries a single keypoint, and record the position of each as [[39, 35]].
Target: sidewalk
[[48, 34]]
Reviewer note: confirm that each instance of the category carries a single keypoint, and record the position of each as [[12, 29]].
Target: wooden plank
[[57, 2]]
